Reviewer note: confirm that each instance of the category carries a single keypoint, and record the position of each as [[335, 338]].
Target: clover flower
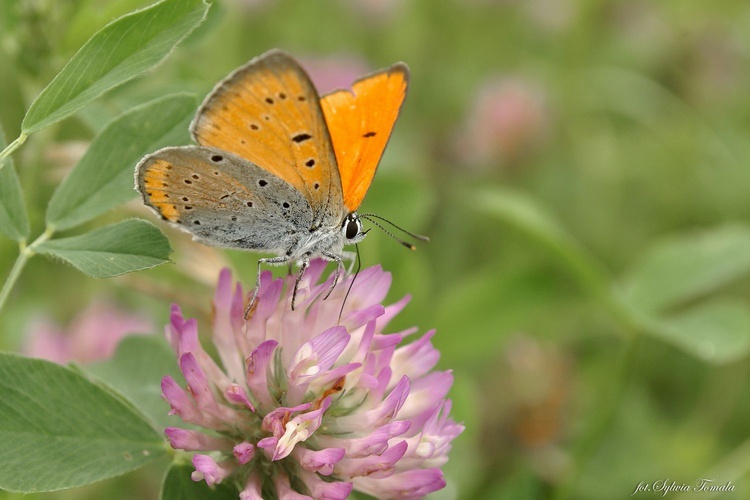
[[304, 405], [92, 335], [507, 120]]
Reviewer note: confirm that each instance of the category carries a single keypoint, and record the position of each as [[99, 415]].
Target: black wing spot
[[254, 127], [282, 95], [188, 181], [242, 141], [185, 198], [166, 195], [301, 98], [197, 222], [269, 100], [217, 158], [301, 137], [266, 117], [285, 204], [224, 197], [310, 163], [370, 134], [188, 207], [316, 186], [216, 172], [195, 176], [169, 167], [262, 183], [234, 218], [249, 204]]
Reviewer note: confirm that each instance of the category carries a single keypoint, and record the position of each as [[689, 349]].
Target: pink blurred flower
[[376, 10], [332, 73], [91, 336], [507, 117], [305, 404]]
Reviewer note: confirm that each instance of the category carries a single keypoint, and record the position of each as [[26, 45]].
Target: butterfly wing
[[269, 112], [360, 122], [222, 199]]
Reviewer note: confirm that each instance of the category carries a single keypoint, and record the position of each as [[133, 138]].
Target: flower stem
[[25, 252], [12, 147], [613, 393]]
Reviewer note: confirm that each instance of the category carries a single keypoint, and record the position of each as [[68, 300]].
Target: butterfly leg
[[339, 267], [302, 268], [272, 261]]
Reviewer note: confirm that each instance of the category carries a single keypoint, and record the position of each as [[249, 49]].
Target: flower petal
[[207, 468], [321, 461], [417, 358], [374, 443], [313, 359], [244, 452], [190, 440], [375, 466], [380, 415], [224, 334], [300, 428], [425, 395], [284, 489], [256, 373], [180, 401], [411, 484], [338, 490], [221, 416], [253, 488], [236, 394], [275, 421]]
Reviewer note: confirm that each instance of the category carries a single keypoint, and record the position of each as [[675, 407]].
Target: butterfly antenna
[[413, 235], [359, 266], [405, 243]]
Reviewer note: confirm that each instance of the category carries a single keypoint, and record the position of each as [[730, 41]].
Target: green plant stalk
[[590, 442], [596, 280], [11, 148], [24, 254]]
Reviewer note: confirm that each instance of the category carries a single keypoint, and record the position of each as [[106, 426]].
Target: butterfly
[[277, 168]]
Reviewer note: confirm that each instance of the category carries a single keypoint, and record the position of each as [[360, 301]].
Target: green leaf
[[112, 250], [521, 211], [104, 177], [718, 332], [136, 370], [60, 430], [14, 222], [124, 49], [685, 267], [177, 485]]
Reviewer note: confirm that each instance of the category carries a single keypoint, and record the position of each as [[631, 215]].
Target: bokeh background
[[582, 168]]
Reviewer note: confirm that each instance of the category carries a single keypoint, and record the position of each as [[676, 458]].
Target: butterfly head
[[351, 229]]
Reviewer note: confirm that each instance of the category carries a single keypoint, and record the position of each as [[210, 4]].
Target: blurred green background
[[582, 169]]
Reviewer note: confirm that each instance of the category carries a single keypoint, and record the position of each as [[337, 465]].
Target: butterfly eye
[[352, 227]]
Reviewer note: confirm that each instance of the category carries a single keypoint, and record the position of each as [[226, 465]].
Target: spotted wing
[[360, 122], [222, 199], [269, 112]]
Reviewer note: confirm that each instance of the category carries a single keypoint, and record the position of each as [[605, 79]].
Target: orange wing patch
[[155, 187], [360, 122], [268, 112]]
